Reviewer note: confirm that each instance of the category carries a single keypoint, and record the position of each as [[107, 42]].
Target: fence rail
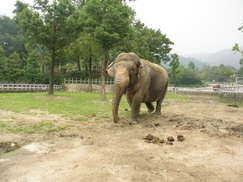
[[86, 81], [28, 87], [235, 89]]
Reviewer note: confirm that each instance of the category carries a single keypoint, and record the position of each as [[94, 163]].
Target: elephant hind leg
[[159, 102], [150, 106], [158, 106]]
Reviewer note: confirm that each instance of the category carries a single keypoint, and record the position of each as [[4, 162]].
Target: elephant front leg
[[136, 104]]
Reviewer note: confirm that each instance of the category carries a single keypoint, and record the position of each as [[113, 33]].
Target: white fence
[[235, 89], [28, 87], [86, 81]]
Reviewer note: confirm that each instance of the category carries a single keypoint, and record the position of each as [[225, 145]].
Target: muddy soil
[[98, 150]]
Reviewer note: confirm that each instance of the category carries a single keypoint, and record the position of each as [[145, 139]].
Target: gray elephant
[[141, 80]]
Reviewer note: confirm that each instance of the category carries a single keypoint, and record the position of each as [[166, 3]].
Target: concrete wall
[[235, 99], [85, 88]]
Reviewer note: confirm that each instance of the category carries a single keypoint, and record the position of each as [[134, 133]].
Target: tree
[[174, 64], [187, 77], [51, 25], [2, 63], [150, 44], [84, 49], [109, 22], [237, 49], [10, 38], [191, 65], [13, 69]]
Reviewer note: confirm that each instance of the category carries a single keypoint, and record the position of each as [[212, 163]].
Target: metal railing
[[28, 87], [235, 89], [86, 81]]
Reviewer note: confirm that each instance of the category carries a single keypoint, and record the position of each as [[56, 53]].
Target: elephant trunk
[[120, 84]]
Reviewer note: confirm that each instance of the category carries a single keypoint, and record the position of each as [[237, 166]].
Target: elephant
[[141, 81]]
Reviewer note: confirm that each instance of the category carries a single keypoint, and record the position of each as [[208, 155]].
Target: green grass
[[76, 106], [178, 97], [41, 127]]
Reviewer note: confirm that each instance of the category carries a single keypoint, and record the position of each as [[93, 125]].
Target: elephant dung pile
[[156, 140]]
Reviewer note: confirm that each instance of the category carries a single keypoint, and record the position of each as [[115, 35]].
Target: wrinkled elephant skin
[[141, 80]]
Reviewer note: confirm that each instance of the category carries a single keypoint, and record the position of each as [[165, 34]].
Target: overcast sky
[[195, 26]]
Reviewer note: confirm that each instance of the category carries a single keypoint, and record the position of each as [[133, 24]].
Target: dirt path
[[98, 150]]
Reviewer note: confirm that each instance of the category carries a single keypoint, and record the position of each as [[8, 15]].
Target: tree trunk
[[90, 72], [51, 81], [79, 67], [103, 68]]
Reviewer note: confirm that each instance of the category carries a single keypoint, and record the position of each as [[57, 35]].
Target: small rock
[[180, 138], [170, 138], [149, 137]]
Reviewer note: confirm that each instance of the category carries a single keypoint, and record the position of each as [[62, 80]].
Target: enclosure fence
[[86, 81], [26, 87], [235, 89]]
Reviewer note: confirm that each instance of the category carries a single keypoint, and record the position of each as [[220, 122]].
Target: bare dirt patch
[[98, 150]]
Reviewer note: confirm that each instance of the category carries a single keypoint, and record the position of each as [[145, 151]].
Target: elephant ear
[[110, 70], [135, 58]]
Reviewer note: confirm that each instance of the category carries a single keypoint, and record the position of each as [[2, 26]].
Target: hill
[[226, 57]]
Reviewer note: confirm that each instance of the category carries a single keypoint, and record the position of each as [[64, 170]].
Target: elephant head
[[125, 69]]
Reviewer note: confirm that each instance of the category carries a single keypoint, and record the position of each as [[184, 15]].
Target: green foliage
[[2, 63], [52, 26], [174, 64], [10, 38], [237, 49], [13, 68], [107, 21], [186, 77], [149, 44], [218, 73]]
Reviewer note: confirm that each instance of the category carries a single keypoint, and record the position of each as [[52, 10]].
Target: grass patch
[[77, 106], [177, 97], [41, 127]]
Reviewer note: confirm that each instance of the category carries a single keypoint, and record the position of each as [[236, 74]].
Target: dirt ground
[[98, 150]]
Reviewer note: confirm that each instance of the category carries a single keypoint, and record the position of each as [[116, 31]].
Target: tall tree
[[51, 25], [174, 64], [13, 68], [84, 49], [108, 21]]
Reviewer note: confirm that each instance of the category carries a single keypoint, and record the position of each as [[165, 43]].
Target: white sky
[[195, 26]]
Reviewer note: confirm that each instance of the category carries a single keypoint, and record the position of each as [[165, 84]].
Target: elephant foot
[[158, 112], [132, 122]]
